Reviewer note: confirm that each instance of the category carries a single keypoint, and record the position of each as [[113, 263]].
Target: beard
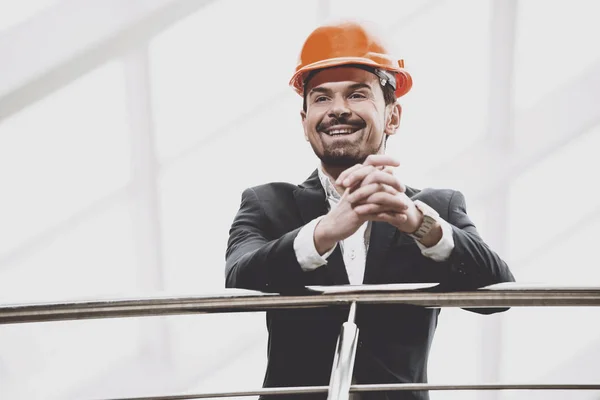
[[346, 156], [348, 153]]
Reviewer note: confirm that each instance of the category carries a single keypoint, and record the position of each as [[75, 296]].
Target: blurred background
[[129, 129]]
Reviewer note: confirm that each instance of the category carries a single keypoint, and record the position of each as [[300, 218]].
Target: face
[[346, 117]]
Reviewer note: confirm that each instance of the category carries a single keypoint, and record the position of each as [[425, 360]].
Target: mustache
[[326, 124]]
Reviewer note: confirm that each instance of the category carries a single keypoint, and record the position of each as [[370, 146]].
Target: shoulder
[[441, 199], [284, 190], [279, 191]]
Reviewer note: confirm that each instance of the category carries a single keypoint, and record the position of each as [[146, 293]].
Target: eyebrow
[[361, 85], [354, 86]]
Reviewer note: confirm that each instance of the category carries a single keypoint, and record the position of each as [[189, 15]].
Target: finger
[[364, 209], [347, 172], [391, 218], [387, 170], [365, 191], [375, 212], [357, 176], [381, 162], [397, 203], [345, 194], [390, 170], [385, 178], [377, 160], [370, 209]]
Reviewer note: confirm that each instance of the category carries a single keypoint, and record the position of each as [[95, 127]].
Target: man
[[353, 222]]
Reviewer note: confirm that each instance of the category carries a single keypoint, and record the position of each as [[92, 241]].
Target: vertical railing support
[[343, 362]]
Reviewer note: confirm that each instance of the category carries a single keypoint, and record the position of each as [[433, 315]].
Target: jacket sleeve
[[253, 259], [472, 264]]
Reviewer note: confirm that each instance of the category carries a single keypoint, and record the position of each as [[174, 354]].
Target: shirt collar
[[330, 191]]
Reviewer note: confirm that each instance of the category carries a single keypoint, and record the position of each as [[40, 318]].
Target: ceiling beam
[[68, 40]]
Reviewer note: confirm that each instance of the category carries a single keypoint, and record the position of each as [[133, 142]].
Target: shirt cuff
[[441, 250], [304, 246]]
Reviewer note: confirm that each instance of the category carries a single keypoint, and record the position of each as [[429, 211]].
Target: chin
[[342, 160]]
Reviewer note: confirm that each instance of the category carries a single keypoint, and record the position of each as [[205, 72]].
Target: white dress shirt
[[354, 248]]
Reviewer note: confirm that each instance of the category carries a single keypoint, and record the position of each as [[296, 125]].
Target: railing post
[[343, 361]]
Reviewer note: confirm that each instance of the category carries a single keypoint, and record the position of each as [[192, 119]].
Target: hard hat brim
[[297, 81]]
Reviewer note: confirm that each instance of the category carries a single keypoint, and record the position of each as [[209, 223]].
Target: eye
[[320, 99], [357, 95]]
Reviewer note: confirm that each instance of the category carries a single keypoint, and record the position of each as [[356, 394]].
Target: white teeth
[[340, 131]]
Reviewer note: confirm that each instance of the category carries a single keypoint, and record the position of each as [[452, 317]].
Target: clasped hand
[[371, 193]]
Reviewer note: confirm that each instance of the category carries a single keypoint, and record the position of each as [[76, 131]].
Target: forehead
[[340, 77]]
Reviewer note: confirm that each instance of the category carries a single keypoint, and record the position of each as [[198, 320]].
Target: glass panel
[[554, 224], [550, 204], [62, 155], [13, 13], [556, 42], [227, 145], [50, 360], [446, 49], [552, 345], [54, 360], [216, 66], [200, 195], [93, 259], [385, 15]]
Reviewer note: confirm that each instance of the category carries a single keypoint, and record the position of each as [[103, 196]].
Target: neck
[[333, 172]]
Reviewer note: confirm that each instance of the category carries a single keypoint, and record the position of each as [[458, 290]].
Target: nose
[[339, 108]]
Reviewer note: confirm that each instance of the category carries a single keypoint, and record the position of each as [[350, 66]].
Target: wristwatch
[[430, 217]]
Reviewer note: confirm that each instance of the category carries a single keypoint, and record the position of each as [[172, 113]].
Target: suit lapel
[[310, 198], [312, 203]]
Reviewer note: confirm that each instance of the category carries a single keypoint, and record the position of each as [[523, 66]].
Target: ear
[[392, 121], [303, 116]]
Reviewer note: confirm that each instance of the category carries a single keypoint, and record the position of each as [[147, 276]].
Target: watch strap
[[429, 219]]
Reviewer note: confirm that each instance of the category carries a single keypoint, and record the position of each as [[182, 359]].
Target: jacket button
[[458, 268]]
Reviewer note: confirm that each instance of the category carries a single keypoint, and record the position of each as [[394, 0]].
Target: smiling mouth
[[339, 131]]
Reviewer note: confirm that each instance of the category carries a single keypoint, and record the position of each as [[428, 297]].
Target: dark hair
[[389, 95]]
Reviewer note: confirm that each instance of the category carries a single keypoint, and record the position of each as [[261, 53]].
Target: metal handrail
[[233, 300], [388, 387], [426, 295]]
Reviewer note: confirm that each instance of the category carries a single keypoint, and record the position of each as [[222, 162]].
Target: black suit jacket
[[394, 340]]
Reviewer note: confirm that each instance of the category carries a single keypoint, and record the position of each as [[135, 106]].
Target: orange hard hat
[[347, 43]]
